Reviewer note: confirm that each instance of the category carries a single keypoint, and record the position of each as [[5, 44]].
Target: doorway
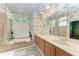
[[20, 27]]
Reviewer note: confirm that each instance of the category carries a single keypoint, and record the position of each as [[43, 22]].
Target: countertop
[[69, 45]]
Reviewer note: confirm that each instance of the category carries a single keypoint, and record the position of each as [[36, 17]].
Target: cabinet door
[[48, 49], [53, 51], [37, 42], [41, 45], [35, 39], [60, 52]]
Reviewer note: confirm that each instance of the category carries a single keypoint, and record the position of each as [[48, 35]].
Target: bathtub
[[9, 53], [13, 41]]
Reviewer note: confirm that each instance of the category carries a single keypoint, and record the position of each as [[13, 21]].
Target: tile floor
[[30, 51], [25, 51]]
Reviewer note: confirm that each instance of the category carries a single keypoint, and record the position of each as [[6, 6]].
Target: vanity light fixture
[[42, 12], [47, 7]]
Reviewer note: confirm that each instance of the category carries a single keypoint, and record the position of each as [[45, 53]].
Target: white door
[[20, 29]]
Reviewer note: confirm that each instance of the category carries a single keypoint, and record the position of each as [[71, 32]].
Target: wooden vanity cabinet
[[40, 43], [53, 50], [36, 40], [60, 52], [49, 49]]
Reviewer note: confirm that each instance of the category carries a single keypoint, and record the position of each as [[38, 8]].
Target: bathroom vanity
[[52, 45]]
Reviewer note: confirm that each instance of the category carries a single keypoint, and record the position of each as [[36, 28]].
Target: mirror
[[74, 29]]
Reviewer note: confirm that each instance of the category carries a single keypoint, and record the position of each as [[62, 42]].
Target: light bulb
[[42, 12], [47, 7]]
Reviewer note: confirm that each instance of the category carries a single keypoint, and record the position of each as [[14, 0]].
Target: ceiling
[[27, 9], [66, 10]]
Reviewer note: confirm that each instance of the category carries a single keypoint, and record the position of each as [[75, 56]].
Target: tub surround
[[69, 45], [6, 48], [13, 41]]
